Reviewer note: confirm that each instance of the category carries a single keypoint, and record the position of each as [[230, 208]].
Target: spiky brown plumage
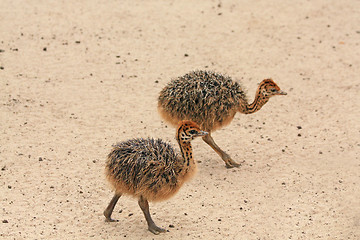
[[150, 169], [205, 97], [211, 100]]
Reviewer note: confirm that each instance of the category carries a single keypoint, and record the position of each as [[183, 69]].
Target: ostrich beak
[[203, 133], [280, 92]]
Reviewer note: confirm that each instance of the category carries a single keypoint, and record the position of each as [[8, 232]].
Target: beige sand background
[[78, 76]]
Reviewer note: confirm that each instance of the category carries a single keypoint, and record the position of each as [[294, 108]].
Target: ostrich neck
[[186, 152], [256, 105]]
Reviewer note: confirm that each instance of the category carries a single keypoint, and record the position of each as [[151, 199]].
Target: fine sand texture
[[79, 76]]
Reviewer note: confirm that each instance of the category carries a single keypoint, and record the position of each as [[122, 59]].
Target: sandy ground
[[78, 76]]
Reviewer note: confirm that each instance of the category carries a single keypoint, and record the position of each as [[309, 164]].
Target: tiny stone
[[5, 221], [186, 55], [40, 159], [156, 81], [320, 152], [219, 219], [299, 135], [44, 49], [299, 127], [130, 214], [171, 226]]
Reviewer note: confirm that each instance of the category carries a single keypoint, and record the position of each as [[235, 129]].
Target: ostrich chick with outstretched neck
[[211, 100], [151, 170]]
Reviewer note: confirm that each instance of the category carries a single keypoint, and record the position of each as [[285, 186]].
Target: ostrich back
[[147, 167], [207, 98]]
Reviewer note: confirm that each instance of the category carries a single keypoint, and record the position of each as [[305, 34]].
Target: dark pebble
[[186, 55], [171, 226], [5, 221], [299, 127], [40, 159], [44, 49]]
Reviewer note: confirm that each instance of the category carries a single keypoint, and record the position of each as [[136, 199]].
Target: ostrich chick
[[211, 100], [150, 169]]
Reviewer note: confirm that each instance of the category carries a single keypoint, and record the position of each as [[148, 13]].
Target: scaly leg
[[144, 205], [225, 157], [108, 211]]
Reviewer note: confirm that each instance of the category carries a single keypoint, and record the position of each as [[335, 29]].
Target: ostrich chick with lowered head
[[150, 170], [211, 100]]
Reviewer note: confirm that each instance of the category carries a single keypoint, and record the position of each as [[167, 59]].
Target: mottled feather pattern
[[205, 97], [144, 165]]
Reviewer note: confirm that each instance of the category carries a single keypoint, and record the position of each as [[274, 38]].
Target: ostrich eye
[[192, 132]]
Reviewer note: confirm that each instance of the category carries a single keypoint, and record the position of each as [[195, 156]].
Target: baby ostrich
[[150, 170], [211, 100]]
